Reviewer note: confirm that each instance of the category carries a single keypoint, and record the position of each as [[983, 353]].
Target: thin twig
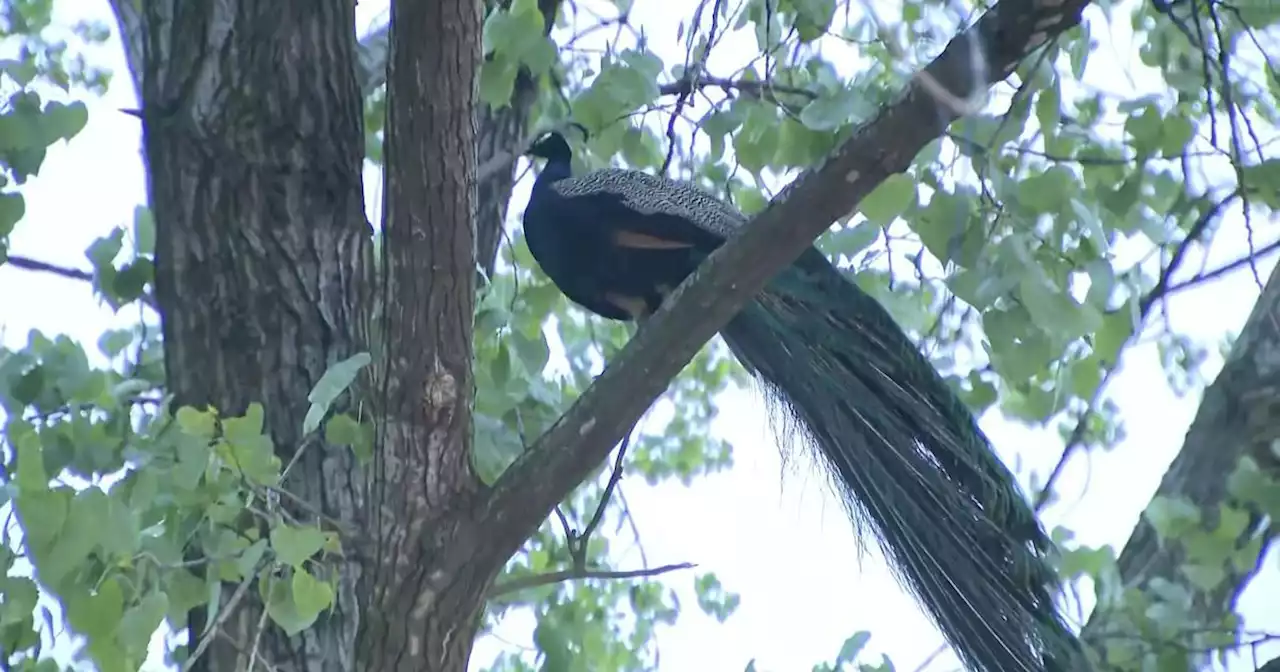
[[1144, 309], [257, 638], [693, 72], [1225, 269], [548, 578], [226, 612], [29, 264], [338, 525], [580, 542], [688, 84]]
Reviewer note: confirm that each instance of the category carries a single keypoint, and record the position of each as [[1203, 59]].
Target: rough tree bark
[[255, 180], [320, 334], [1238, 417], [499, 132], [419, 617]]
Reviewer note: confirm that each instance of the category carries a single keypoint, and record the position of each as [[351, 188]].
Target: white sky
[[774, 535]]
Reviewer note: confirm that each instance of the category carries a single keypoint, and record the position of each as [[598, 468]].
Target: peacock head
[[553, 146]]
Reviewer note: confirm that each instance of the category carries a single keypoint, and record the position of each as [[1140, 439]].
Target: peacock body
[[904, 452]]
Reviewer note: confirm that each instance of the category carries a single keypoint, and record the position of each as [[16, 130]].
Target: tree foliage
[[1026, 251]]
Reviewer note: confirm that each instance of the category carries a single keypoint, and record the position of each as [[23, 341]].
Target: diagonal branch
[[526, 493], [1236, 419]]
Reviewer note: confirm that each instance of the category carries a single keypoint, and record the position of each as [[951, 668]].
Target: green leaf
[[249, 449], [1117, 326], [533, 352], [294, 545], [813, 18], [756, 144], [193, 458], [142, 620], [121, 536], [852, 647], [310, 595], [103, 251], [12, 209], [497, 81], [1056, 311], [341, 430], [1262, 182], [185, 592], [1251, 485], [1019, 351], [890, 199], [850, 241], [130, 282], [247, 563], [65, 121], [1047, 192], [1204, 577], [713, 599], [1172, 517], [255, 457], [1176, 131], [79, 535], [333, 383], [1049, 107], [985, 132], [198, 424], [43, 515], [514, 32], [832, 109], [949, 230], [96, 614], [1086, 376], [31, 475], [1146, 130], [344, 430]]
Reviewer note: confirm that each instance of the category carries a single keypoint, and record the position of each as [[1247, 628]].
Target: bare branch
[[28, 264], [578, 543], [755, 87], [535, 580], [1248, 260], [227, 609], [693, 73], [1145, 304]]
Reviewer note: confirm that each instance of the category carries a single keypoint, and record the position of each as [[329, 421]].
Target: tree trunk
[[423, 607], [254, 146], [499, 132], [1239, 417], [262, 278], [252, 135]]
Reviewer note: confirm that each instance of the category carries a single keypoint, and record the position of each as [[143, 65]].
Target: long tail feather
[[909, 459]]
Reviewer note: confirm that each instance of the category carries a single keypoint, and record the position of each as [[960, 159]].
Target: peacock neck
[[555, 170]]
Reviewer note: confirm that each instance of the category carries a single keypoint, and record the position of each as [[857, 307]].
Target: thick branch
[[581, 440], [1238, 417]]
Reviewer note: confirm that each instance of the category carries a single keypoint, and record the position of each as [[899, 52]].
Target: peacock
[[906, 455]]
